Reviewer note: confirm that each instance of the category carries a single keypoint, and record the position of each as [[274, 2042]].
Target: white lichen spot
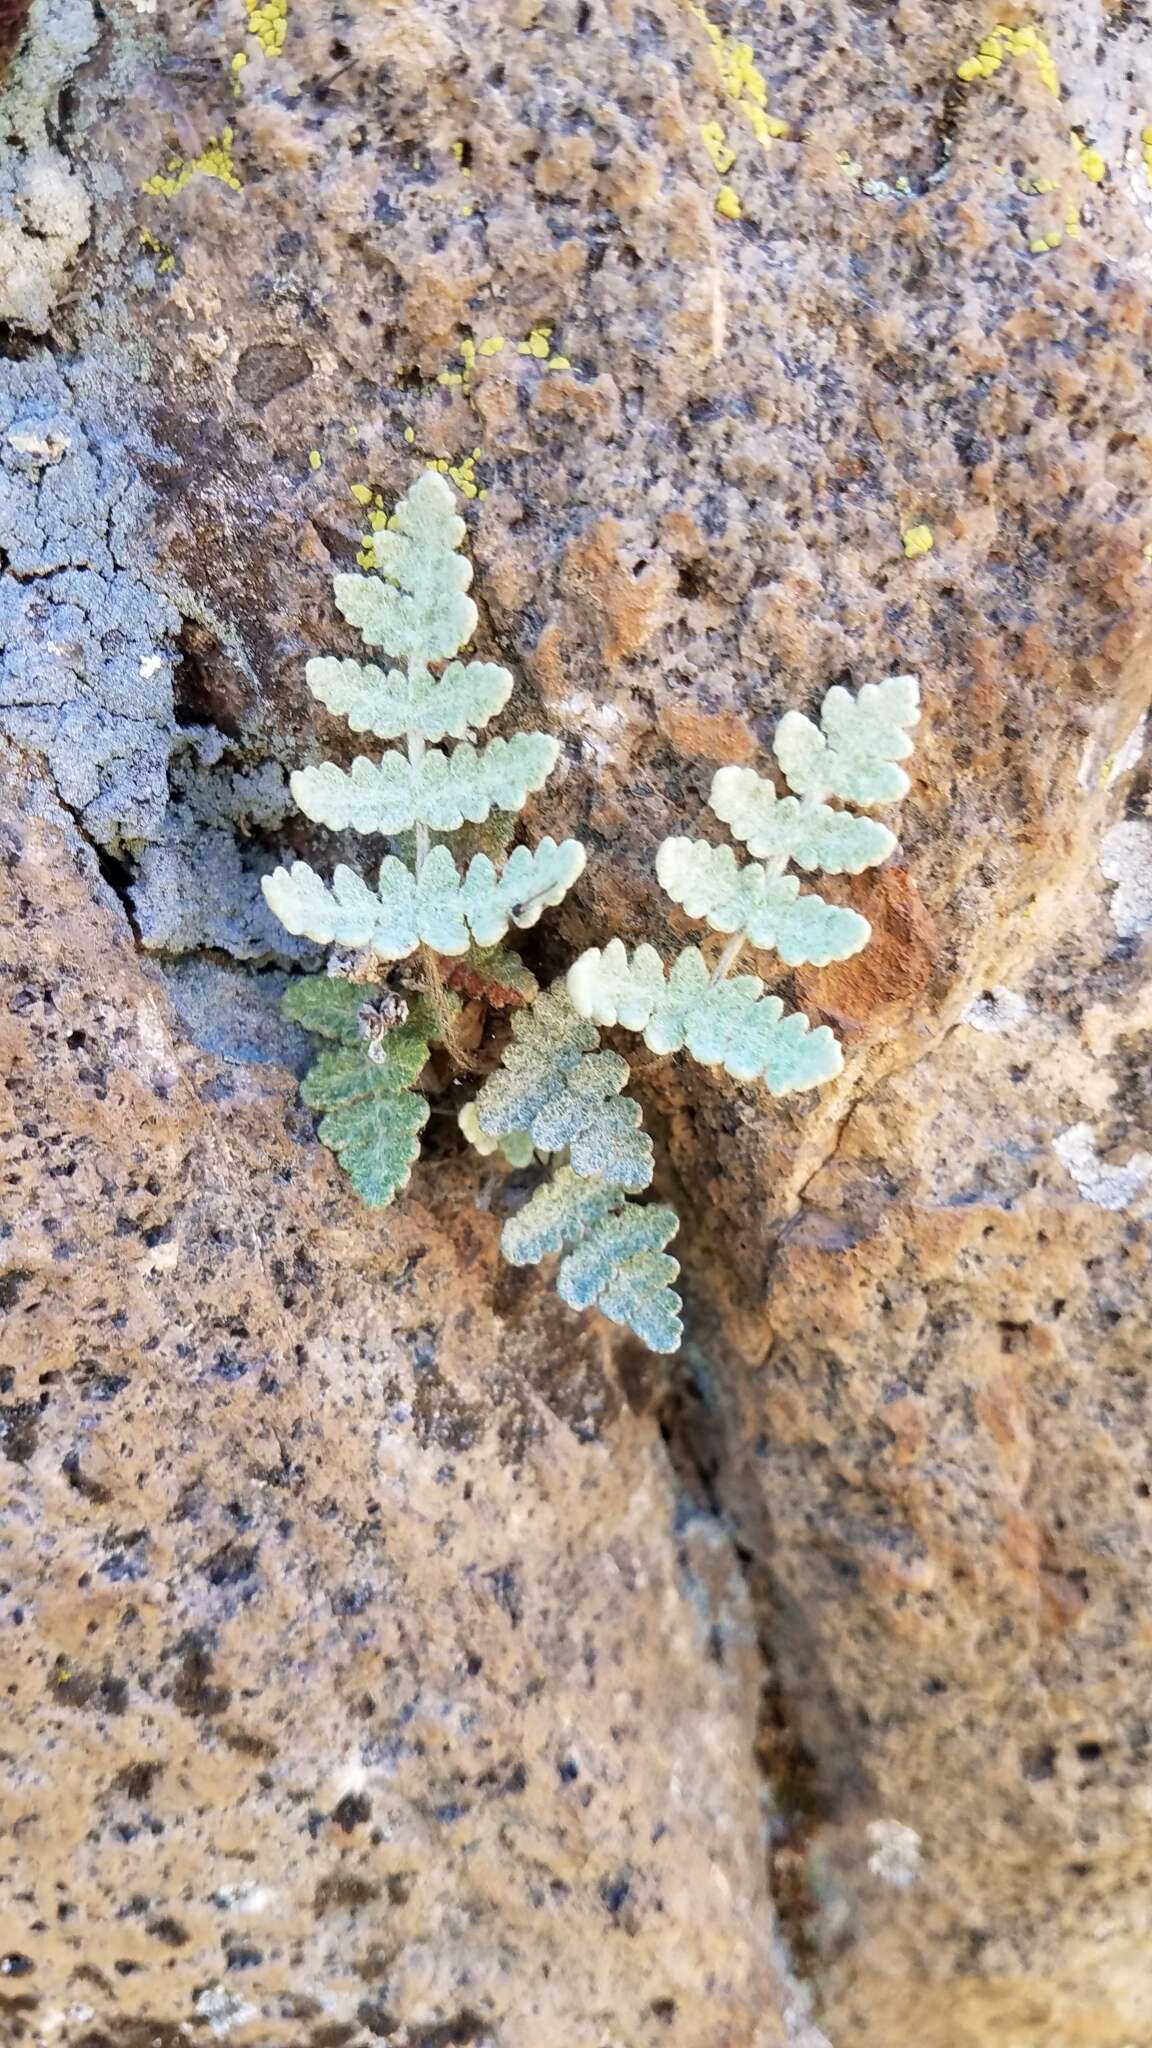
[[998, 1009], [1126, 859], [150, 665], [895, 1857], [1100, 1181], [222, 2010]]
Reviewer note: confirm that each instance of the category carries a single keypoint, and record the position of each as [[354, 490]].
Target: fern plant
[[727, 1020], [419, 905]]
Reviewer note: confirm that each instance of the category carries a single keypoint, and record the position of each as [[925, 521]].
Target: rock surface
[[840, 1621]]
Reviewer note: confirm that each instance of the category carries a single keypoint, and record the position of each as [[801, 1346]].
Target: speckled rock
[[907, 1440]]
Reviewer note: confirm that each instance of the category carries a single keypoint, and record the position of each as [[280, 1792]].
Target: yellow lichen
[[743, 81], [1004, 42], [214, 161], [492, 346], [315, 459], [362, 493], [268, 22], [712, 135], [538, 343], [165, 260], [917, 540]]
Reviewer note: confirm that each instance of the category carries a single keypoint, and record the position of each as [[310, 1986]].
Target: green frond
[[326, 1004], [730, 1024], [615, 1253], [418, 608], [554, 1084], [371, 1119], [855, 752], [709, 882], [392, 704], [812, 834], [439, 790], [531, 881]]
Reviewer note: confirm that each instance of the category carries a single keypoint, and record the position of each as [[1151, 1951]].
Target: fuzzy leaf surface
[[391, 704], [531, 881], [609, 988], [733, 1024], [855, 751], [326, 1005], [555, 1084], [418, 608], [440, 790], [709, 882], [616, 1261], [812, 834], [372, 1118]]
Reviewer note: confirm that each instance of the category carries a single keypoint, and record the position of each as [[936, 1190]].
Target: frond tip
[[371, 1115], [812, 834], [855, 751], [730, 1024], [615, 1253]]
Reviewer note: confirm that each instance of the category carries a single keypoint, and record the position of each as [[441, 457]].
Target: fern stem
[[416, 755], [728, 958]]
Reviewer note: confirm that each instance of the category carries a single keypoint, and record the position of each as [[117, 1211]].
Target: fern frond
[[417, 608], [709, 882], [345, 915], [371, 1117], [554, 1084], [467, 696], [730, 1024], [854, 753], [439, 790], [532, 880], [812, 834], [616, 1261]]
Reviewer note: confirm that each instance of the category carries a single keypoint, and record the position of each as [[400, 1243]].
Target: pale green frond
[[345, 915], [856, 753], [391, 704], [516, 1149], [611, 989], [531, 881], [556, 1085], [731, 1024], [709, 882], [371, 1116], [616, 1262], [439, 790], [812, 834], [557, 1214], [417, 608]]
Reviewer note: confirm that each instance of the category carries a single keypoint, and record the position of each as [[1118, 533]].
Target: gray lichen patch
[[234, 1013], [198, 888], [44, 207], [86, 636]]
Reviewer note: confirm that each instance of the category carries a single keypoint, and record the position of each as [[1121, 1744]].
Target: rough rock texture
[[842, 1619]]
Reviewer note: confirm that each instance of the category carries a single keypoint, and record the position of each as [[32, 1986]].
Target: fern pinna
[[556, 1093], [727, 1020]]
